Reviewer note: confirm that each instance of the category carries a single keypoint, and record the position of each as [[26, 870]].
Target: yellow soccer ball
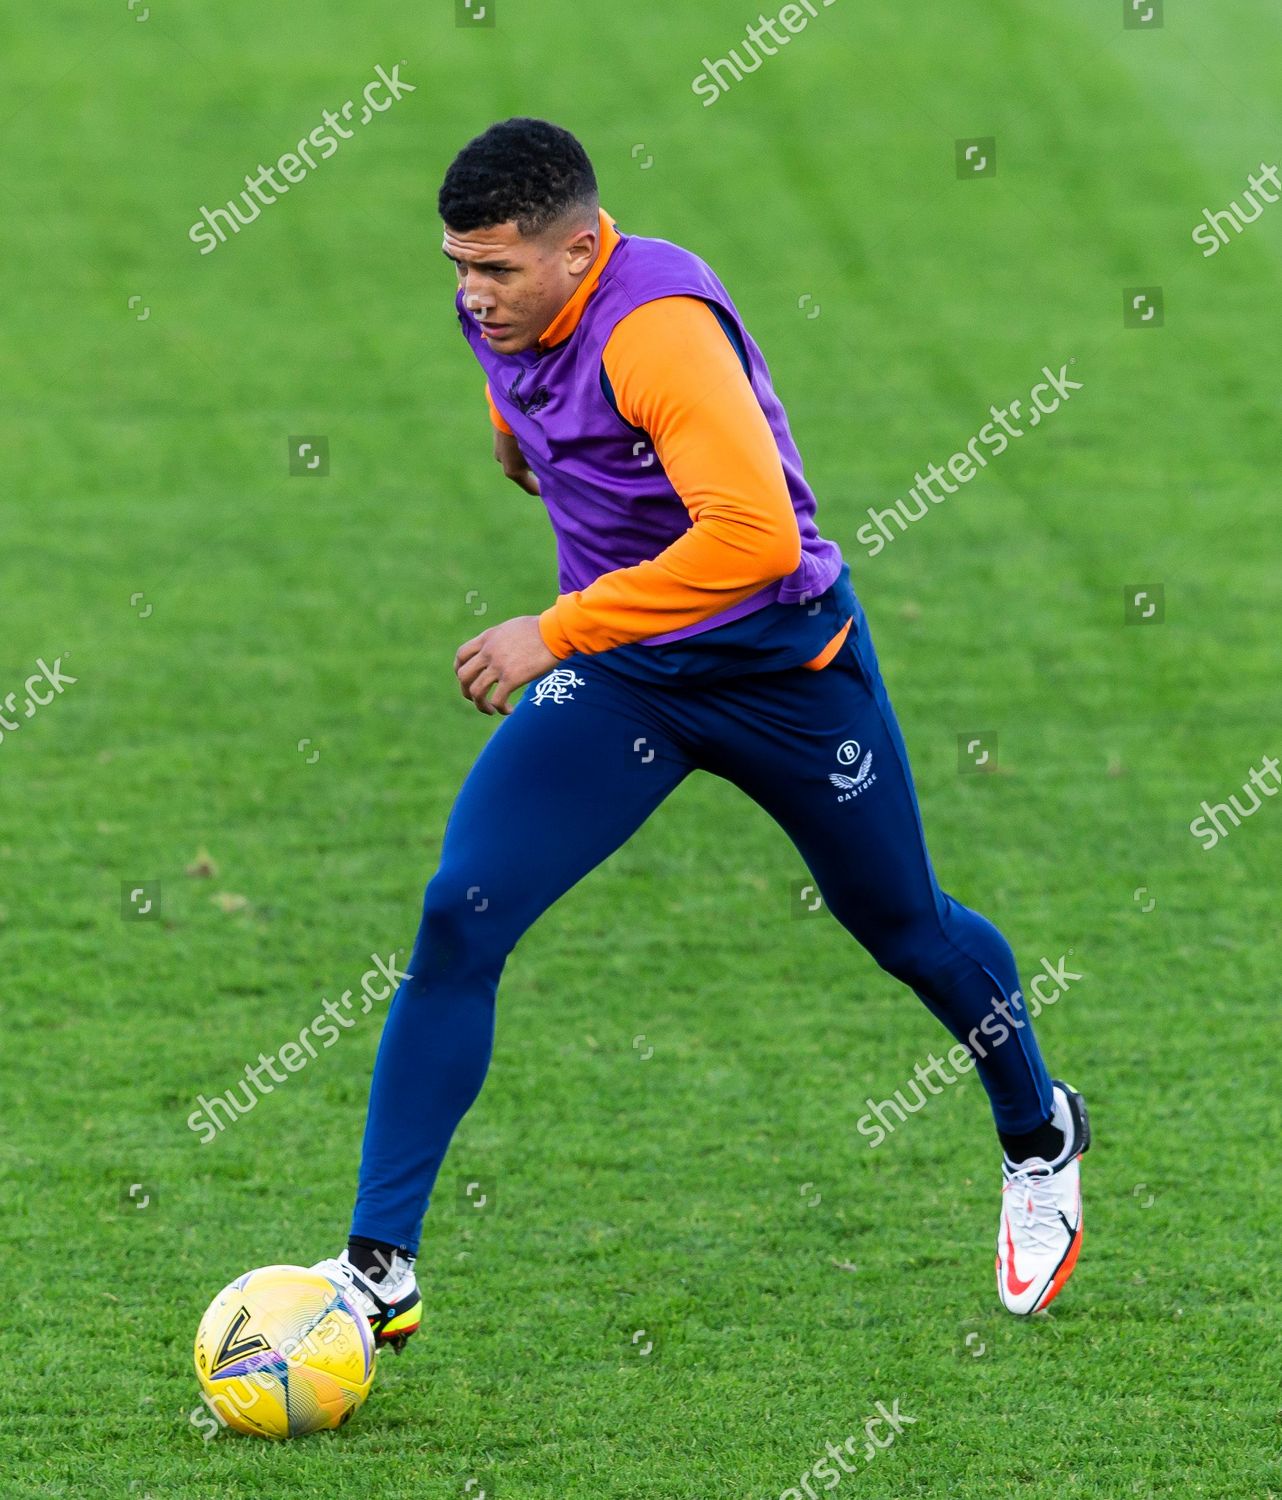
[[282, 1352]]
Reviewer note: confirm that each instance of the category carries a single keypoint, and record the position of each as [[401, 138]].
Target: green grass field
[[216, 611]]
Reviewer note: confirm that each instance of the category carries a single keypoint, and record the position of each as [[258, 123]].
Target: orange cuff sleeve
[[495, 415]]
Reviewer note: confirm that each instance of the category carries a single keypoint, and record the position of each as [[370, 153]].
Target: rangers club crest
[[555, 687]]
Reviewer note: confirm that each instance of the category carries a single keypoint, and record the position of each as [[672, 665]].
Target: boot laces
[[1031, 1206]]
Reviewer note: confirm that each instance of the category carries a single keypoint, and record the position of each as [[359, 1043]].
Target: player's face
[[513, 285]]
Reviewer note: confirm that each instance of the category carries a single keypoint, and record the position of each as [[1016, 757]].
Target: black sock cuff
[[1047, 1141], [373, 1258]]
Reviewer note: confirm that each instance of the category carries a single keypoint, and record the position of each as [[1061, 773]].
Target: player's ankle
[[375, 1259], [1047, 1141]]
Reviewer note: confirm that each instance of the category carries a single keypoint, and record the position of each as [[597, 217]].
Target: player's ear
[[580, 250]]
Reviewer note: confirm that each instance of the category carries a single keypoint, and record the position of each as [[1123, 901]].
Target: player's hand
[[507, 655], [507, 451]]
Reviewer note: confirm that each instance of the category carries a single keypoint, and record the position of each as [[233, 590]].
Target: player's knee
[[460, 934], [913, 952]]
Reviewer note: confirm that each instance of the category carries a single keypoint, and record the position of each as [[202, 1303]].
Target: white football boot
[[1041, 1225], [393, 1305]]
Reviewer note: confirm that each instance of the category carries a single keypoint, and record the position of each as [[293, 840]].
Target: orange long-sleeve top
[[676, 376]]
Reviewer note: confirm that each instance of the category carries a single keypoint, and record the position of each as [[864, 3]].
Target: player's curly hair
[[526, 171]]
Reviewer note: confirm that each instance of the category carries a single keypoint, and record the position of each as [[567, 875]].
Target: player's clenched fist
[[508, 655]]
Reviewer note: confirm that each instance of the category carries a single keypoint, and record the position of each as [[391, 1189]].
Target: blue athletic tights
[[583, 759]]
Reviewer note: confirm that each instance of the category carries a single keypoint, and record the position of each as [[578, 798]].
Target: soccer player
[[702, 623]]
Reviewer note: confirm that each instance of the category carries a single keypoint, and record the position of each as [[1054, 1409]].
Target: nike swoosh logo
[[1013, 1284]]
